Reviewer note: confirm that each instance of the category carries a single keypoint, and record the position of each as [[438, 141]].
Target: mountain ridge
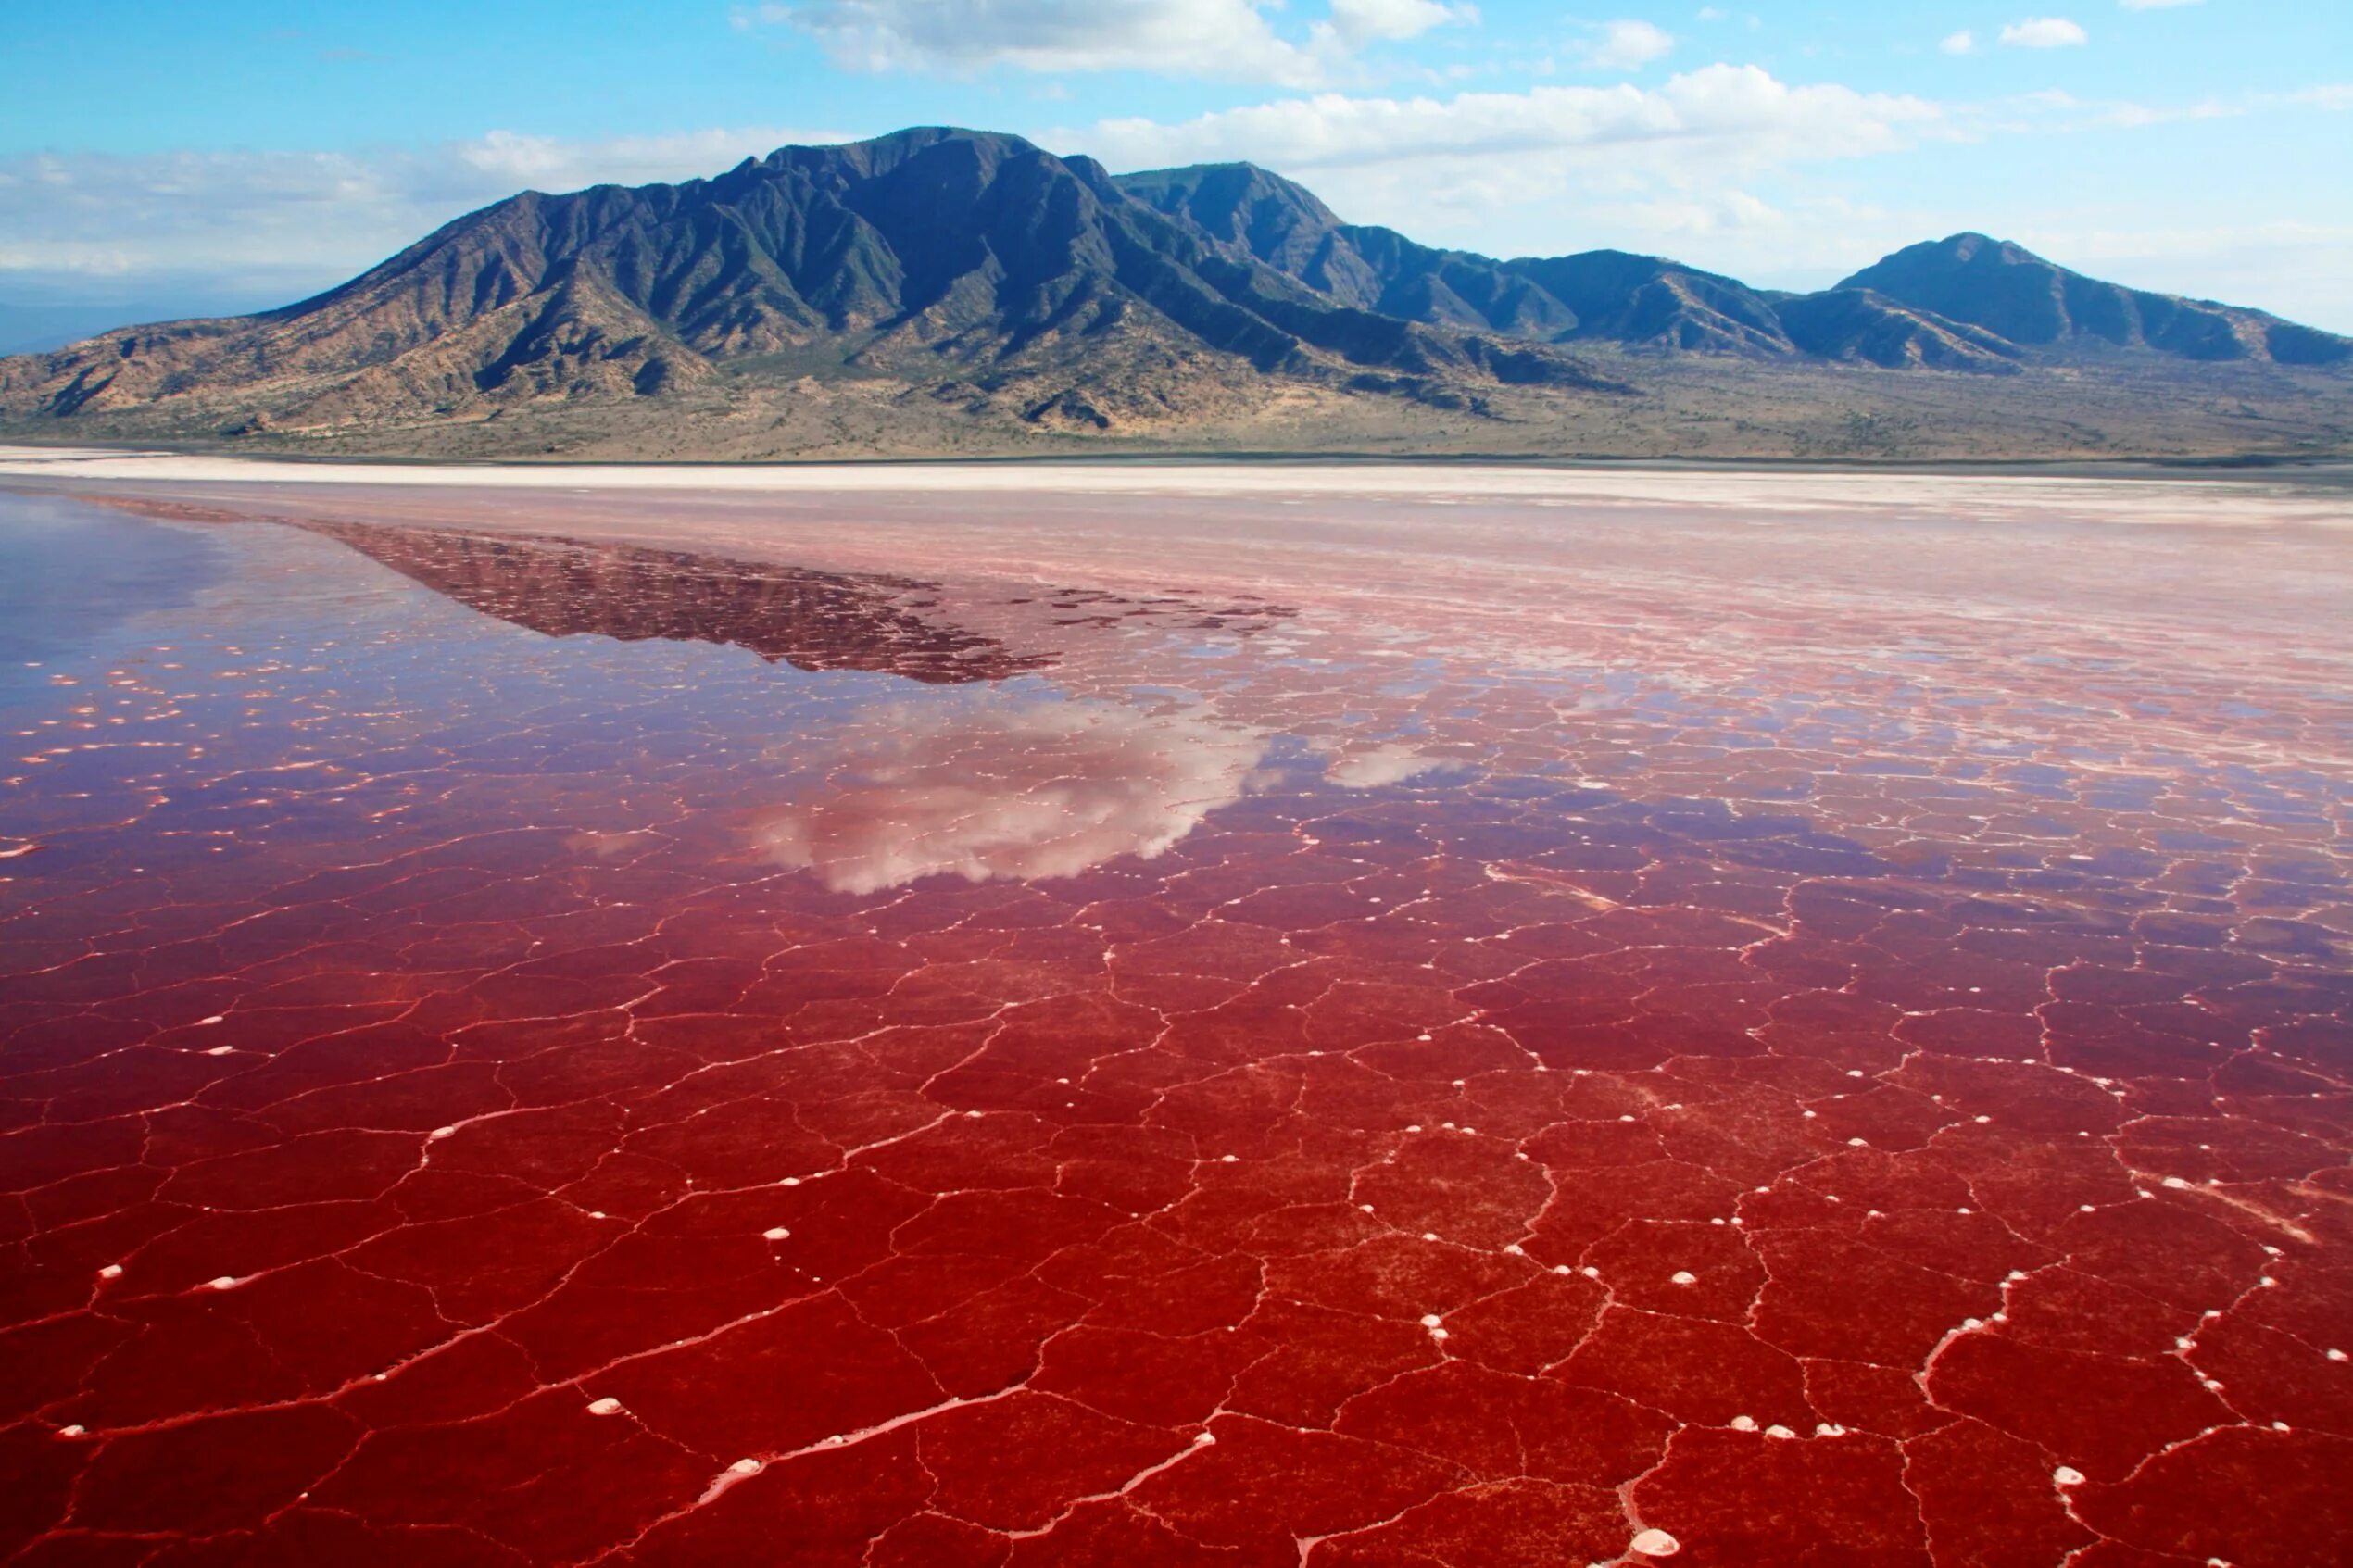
[[957, 284]]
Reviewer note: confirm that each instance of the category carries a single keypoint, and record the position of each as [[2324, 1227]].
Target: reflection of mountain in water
[[811, 619]]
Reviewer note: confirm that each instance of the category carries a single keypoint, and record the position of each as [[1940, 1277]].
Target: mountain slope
[[1650, 302], [1857, 325], [2010, 291], [926, 252], [1607, 295]]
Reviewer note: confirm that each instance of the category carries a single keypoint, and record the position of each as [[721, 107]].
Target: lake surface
[[1430, 1019]]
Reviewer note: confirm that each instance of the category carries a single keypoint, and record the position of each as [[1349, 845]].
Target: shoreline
[[2325, 468], [2226, 501]]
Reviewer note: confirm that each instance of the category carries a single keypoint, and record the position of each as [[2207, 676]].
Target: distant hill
[[953, 290], [2013, 292], [1914, 308]]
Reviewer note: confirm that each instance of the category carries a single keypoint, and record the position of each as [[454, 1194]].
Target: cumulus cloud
[[1004, 788], [1358, 23], [1229, 40], [2043, 33], [1718, 117], [1961, 43], [1625, 45], [294, 221]]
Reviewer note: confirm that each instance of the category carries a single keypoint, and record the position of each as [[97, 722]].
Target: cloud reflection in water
[[1005, 788]]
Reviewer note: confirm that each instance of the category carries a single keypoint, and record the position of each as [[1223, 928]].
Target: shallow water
[[542, 1029]]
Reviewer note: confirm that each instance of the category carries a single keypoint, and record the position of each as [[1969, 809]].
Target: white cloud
[[1962, 42], [992, 789], [1625, 45], [1698, 215], [1228, 40], [1718, 116], [509, 159], [1358, 23], [2043, 33]]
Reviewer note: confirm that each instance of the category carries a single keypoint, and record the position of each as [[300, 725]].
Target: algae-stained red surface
[[1405, 1027]]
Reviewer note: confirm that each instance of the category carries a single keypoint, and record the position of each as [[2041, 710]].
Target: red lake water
[[1375, 1020]]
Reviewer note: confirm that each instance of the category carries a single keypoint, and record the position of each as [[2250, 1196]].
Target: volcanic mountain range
[[944, 290]]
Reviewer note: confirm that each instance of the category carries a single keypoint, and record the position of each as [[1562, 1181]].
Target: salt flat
[[978, 1014]]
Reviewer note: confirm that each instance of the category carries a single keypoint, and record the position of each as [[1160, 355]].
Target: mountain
[[2038, 305], [939, 290], [1963, 303], [996, 270]]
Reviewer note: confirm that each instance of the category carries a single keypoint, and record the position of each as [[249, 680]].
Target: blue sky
[[209, 157]]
